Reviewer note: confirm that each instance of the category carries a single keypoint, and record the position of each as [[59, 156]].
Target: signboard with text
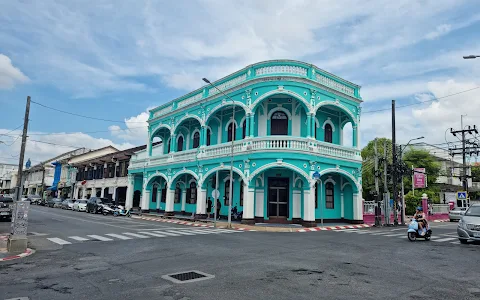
[[419, 178]]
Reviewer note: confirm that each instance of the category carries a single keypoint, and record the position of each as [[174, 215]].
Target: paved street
[[84, 256]]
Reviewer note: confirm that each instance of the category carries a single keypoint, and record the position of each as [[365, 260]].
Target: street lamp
[[471, 56], [403, 189], [230, 191]]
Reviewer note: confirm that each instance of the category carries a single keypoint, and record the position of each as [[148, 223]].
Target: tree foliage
[[368, 165], [419, 158], [476, 173]]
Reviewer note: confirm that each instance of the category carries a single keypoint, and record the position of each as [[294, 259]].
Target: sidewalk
[[266, 227], [5, 255]]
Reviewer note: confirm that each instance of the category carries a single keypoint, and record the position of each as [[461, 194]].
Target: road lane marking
[[381, 233], [100, 238], [181, 232], [78, 238], [199, 231], [152, 234], [395, 234], [444, 240], [167, 233], [59, 241], [119, 236], [136, 235]]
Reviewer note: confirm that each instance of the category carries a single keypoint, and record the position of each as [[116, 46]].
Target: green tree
[[419, 158], [368, 165], [476, 173]]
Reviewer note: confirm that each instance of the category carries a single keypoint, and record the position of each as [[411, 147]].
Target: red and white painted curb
[[194, 224], [24, 254], [334, 228], [441, 221]]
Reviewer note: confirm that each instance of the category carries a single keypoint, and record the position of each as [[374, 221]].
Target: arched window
[[244, 128], [154, 193], [178, 192], [316, 194], [329, 199], [196, 139], [328, 133], [209, 133], [180, 143], [231, 131], [226, 192], [279, 123], [168, 147], [193, 193]]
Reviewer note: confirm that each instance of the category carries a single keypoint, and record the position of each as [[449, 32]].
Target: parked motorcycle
[[121, 211], [236, 215], [108, 209], [414, 231]]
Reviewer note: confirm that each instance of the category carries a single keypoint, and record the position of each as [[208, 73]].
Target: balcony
[[259, 144]]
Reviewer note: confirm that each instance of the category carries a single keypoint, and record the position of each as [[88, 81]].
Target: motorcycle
[[414, 231], [108, 210], [121, 211], [236, 215]]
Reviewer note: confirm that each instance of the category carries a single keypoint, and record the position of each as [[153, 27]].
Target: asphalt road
[[364, 264]]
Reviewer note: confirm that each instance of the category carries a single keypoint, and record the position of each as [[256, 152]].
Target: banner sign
[[419, 178]]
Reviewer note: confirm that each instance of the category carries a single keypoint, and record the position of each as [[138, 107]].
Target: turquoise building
[[283, 121]]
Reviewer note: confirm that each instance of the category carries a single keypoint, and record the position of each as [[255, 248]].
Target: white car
[[80, 205]]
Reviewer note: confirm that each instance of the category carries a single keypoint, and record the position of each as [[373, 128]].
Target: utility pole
[[386, 194], [394, 169], [377, 192], [22, 151]]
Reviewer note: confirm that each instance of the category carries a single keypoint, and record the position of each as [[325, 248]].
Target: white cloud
[[9, 75], [136, 128], [439, 31]]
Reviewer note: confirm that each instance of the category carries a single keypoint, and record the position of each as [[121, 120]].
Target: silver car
[[469, 225], [457, 213]]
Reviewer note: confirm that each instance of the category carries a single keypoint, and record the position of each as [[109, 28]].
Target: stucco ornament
[[249, 98]]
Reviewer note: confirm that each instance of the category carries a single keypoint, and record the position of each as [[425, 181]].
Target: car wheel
[[463, 241]]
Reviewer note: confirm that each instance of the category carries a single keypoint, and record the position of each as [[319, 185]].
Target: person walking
[[219, 206], [209, 207]]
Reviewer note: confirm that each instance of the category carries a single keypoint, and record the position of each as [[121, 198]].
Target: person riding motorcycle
[[420, 217]]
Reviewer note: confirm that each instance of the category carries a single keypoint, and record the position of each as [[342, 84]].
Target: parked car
[[80, 205], [54, 202], [469, 225], [95, 204], [34, 199], [6, 206], [67, 204], [457, 213]]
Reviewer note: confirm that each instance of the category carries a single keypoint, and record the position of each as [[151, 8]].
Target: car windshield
[[6, 199], [82, 201], [473, 211]]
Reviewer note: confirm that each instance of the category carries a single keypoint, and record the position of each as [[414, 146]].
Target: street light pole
[[234, 131], [471, 56]]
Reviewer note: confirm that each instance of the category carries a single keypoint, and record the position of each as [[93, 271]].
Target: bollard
[[17, 241]]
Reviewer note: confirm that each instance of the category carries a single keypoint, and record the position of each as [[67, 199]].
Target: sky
[[114, 60]]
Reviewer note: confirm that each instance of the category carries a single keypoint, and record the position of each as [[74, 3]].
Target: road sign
[[215, 194], [316, 175], [461, 195]]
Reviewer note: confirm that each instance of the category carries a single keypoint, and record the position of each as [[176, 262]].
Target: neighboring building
[[287, 129], [104, 176], [45, 176], [8, 178]]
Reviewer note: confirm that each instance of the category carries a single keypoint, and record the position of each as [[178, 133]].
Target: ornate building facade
[[280, 123]]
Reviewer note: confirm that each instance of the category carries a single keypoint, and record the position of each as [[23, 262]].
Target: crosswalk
[[108, 237], [401, 234]]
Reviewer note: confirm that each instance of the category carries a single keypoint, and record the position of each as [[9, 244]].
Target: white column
[[341, 134], [259, 203], [145, 200], [201, 201], [357, 207], [159, 198], [297, 204], [342, 205], [169, 206], [149, 145], [249, 205], [129, 200], [102, 192], [309, 205], [184, 199], [114, 195], [358, 136]]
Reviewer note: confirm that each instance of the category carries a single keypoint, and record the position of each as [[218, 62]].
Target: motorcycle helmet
[[419, 208]]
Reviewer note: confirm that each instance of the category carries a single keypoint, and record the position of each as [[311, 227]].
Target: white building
[[8, 177]]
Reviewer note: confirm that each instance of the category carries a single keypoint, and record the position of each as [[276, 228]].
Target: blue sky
[[114, 60]]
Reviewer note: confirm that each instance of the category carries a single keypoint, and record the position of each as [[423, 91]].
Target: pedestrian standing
[[219, 206], [209, 207]]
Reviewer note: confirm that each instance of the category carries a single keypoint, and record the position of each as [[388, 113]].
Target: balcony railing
[[259, 144]]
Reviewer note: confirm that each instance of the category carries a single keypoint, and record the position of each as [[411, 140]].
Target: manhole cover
[[188, 276]]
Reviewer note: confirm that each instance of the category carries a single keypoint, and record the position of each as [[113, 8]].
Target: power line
[[78, 115], [54, 144], [422, 102], [12, 130], [85, 132]]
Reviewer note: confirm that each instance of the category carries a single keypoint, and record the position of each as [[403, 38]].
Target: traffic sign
[[316, 175], [461, 195], [215, 194]]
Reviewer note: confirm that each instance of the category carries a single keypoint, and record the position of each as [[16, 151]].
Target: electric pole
[[394, 169], [386, 194], [22, 151], [377, 192]]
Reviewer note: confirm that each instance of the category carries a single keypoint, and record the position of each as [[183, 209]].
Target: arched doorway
[[279, 123], [278, 197], [136, 198]]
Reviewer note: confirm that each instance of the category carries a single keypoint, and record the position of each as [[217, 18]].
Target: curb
[[27, 252], [441, 221], [334, 228]]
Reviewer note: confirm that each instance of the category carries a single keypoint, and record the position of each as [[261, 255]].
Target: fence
[[440, 208]]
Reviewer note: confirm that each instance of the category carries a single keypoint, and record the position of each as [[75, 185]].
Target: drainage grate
[[188, 276]]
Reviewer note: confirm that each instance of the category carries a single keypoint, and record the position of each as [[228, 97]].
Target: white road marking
[[395, 234], [78, 238], [444, 240], [456, 243], [38, 234], [199, 231], [181, 232], [347, 230], [381, 233], [152, 234], [118, 236], [58, 241], [167, 233], [100, 238], [136, 235]]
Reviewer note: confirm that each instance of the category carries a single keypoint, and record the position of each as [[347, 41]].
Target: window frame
[[328, 134], [196, 140], [272, 118], [180, 142], [231, 132], [329, 199]]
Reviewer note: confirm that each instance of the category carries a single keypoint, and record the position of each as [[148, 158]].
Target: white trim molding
[[329, 121], [278, 108]]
